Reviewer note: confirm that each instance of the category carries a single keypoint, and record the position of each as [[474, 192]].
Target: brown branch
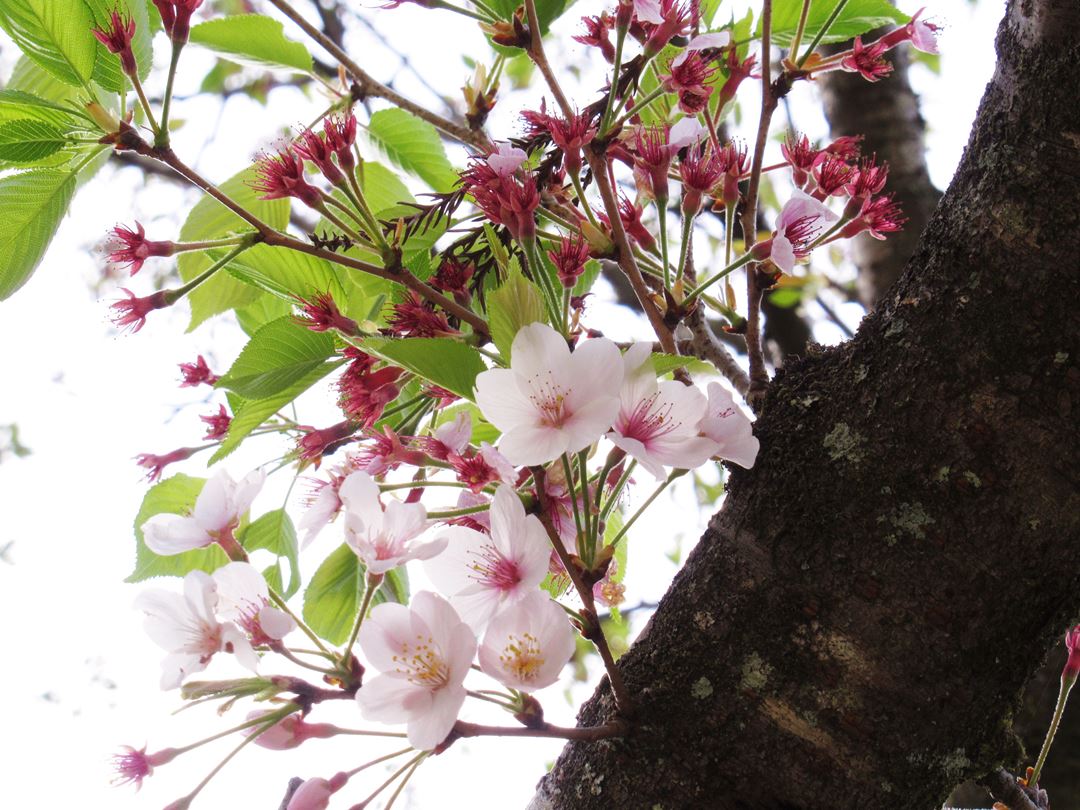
[[369, 86], [759, 377], [594, 633], [705, 346], [615, 728]]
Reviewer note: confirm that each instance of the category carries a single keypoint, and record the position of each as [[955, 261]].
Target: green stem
[[820, 34], [636, 109], [462, 11], [648, 502], [372, 584], [279, 600], [569, 474], [616, 491], [684, 247], [217, 768], [620, 39], [179, 292], [162, 139], [700, 288], [145, 104], [795, 43], [1059, 709], [277, 716], [540, 276], [586, 516], [423, 482], [661, 210], [584, 202], [381, 759], [453, 513]]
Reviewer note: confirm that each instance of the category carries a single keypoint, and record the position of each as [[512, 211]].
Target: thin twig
[[759, 377], [705, 346], [369, 86], [614, 728]]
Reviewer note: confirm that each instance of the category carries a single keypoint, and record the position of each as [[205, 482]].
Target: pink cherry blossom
[[186, 626], [702, 41], [1072, 664], [244, 598], [527, 645], [384, 539], [800, 221], [423, 653], [506, 159], [315, 793], [550, 401], [730, 428], [218, 509], [483, 574], [289, 732], [658, 421]]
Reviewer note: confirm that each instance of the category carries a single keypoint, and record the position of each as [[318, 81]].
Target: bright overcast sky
[[79, 673]]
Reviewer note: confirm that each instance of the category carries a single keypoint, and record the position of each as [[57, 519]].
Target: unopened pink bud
[[1072, 644]]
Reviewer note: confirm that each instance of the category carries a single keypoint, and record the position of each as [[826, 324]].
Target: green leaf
[[28, 77], [443, 361], [285, 273], [209, 219], [333, 596], [515, 304], [382, 188], [260, 312], [253, 412], [33, 204], [857, 17], [786, 297], [252, 39], [56, 35], [276, 357], [174, 496], [107, 71], [275, 532], [27, 141], [16, 105], [414, 145]]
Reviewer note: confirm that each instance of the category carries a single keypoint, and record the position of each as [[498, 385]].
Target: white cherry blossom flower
[[188, 629], [506, 159], [483, 574], [218, 509], [658, 421], [800, 222], [422, 653], [729, 427], [244, 598], [720, 39], [384, 539], [551, 401], [527, 645]]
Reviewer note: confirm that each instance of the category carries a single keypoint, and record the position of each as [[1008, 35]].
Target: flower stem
[[1059, 709], [648, 502], [453, 513], [279, 600], [817, 37], [381, 759], [569, 474], [735, 265], [372, 584], [162, 139], [620, 39], [797, 41]]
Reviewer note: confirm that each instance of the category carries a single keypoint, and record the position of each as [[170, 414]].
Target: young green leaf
[[253, 412], [414, 145], [175, 496], [284, 273], [32, 204], [443, 361], [252, 39], [333, 596], [16, 105], [25, 141], [56, 35], [276, 357], [209, 219], [857, 17], [275, 532], [515, 304]]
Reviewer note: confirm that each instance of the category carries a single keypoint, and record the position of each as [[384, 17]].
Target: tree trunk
[[886, 114], [855, 627]]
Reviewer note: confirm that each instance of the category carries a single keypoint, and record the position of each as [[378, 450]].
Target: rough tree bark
[[886, 114], [855, 627]]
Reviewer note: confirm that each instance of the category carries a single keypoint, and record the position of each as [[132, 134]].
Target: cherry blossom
[[702, 42], [482, 574], [527, 645], [384, 539], [289, 732], [116, 37], [132, 765], [315, 793], [550, 401], [243, 598], [799, 222], [658, 421], [188, 629], [423, 653], [217, 513], [729, 427]]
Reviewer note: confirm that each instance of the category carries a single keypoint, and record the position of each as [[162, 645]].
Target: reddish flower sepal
[[320, 314], [117, 39], [868, 60], [131, 313], [155, 465], [131, 247], [176, 17], [197, 373], [282, 175], [217, 424]]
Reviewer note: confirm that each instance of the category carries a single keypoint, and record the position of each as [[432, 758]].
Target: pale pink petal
[[501, 402], [360, 494], [702, 41], [537, 349], [174, 534], [429, 729], [506, 159], [534, 444], [455, 435], [246, 490], [686, 131], [321, 512], [591, 421], [636, 449], [212, 508], [239, 587], [233, 640], [648, 11], [383, 632], [385, 699], [450, 572], [178, 666], [276, 623], [314, 794], [783, 253]]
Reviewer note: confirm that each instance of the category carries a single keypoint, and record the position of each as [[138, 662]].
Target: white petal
[[432, 727], [384, 699], [276, 623], [591, 422], [213, 506], [239, 587], [648, 11], [538, 349], [176, 667], [783, 253], [527, 445], [450, 571], [383, 632], [455, 435], [685, 132], [500, 400], [360, 495], [174, 534]]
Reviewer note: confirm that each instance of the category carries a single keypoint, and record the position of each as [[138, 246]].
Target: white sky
[[79, 673]]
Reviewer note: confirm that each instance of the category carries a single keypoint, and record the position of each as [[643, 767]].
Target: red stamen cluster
[[282, 175], [197, 373], [569, 259], [689, 78], [117, 39], [868, 60], [217, 424], [363, 391], [131, 247], [320, 314], [155, 465], [414, 317], [505, 199], [597, 34], [176, 17], [131, 313]]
